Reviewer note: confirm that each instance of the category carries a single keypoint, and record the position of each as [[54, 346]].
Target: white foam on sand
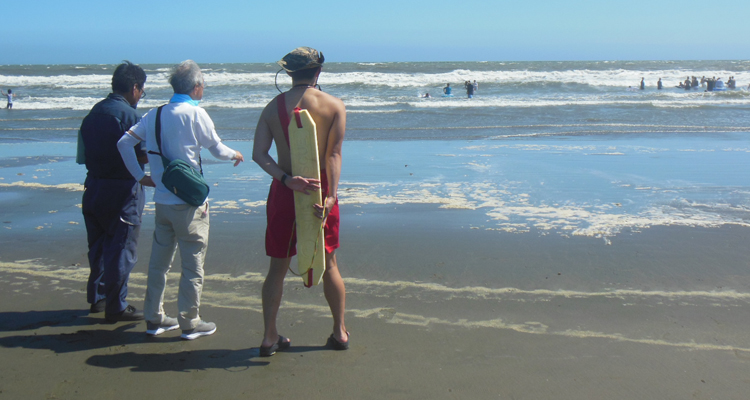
[[514, 212], [235, 292], [73, 187]]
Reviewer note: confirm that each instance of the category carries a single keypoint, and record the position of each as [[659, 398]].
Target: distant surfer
[[447, 90], [659, 84], [10, 96], [303, 65], [643, 83]]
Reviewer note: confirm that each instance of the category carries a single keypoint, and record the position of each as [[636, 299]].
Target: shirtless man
[[303, 64]]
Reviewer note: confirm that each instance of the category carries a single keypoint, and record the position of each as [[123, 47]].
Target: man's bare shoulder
[[270, 109], [329, 100]]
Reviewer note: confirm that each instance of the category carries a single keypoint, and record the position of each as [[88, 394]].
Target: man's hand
[[300, 184], [238, 158], [147, 181], [322, 211]]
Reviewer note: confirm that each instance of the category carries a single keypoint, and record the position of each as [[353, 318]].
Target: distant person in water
[[469, 89], [694, 82], [476, 86], [10, 98], [426, 96], [731, 84], [643, 84], [447, 89], [658, 84]]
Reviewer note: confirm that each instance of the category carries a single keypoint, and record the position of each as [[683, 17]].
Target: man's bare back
[[327, 111], [329, 115]]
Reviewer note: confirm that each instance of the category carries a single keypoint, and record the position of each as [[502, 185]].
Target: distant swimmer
[[643, 84], [10, 98], [426, 96], [731, 83], [658, 84], [447, 90], [476, 86], [694, 82]]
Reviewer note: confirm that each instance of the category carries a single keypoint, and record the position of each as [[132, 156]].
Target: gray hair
[[185, 76]]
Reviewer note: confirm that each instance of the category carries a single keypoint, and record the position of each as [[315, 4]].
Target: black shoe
[[129, 314], [98, 306]]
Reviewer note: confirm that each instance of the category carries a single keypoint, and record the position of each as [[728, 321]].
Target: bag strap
[[157, 128]]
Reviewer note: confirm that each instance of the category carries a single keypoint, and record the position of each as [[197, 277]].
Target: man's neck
[[303, 84]]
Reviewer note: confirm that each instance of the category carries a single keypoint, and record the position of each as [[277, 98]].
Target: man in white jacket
[[185, 130]]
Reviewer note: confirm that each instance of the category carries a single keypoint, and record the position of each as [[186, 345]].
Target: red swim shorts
[[280, 217]]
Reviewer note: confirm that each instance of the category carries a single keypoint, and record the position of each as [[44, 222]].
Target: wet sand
[[442, 310]]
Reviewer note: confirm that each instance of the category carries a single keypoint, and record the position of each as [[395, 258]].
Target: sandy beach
[[434, 313]]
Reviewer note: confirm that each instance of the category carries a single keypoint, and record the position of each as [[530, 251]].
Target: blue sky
[[87, 31]]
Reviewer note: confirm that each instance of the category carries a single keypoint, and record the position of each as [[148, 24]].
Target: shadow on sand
[[119, 338]]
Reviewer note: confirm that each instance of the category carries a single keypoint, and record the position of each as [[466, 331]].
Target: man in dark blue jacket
[[112, 199]]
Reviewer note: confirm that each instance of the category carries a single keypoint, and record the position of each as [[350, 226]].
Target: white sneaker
[[167, 324], [202, 329]]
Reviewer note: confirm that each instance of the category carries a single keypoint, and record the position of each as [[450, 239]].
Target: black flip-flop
[[281, 344], [336, 345]]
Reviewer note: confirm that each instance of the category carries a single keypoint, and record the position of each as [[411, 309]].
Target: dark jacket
[[100, 130]]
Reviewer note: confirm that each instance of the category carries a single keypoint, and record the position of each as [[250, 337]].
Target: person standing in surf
[[303, 65], [469, 89], [447, 90], [10, 96]]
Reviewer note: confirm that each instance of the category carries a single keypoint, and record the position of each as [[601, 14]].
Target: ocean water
[[551, 147]]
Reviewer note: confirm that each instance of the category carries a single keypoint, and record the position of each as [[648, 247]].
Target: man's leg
[[162, 254], [95, 286], [273, 289], [119, 260], [335, 292], [95, 236], [192, 237]]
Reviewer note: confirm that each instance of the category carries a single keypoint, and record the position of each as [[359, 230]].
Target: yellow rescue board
[[311, 248]]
